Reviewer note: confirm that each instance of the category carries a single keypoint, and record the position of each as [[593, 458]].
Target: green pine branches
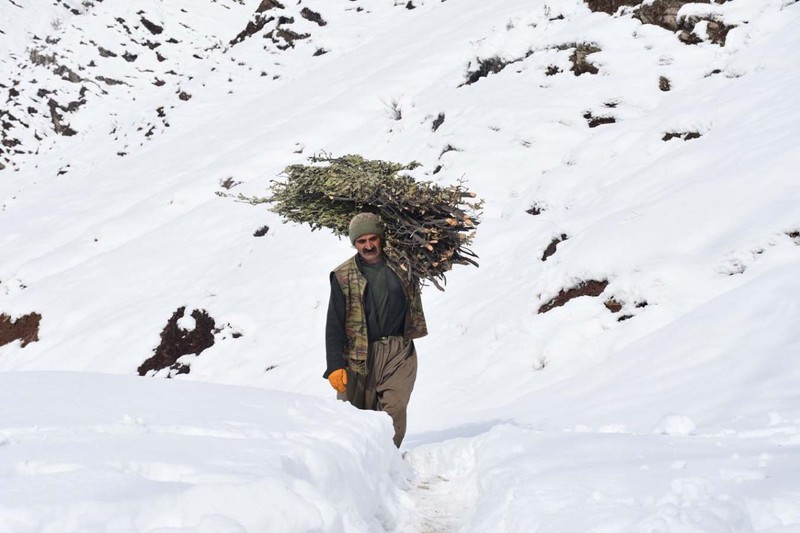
[[428, 227]]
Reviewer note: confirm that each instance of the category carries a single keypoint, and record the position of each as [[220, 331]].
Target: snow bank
[[100, 453]]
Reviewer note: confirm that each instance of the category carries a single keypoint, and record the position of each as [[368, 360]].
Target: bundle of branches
[[428, 227]]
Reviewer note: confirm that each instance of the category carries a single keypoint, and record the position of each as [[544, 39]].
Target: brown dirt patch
[[716, 30], [551, 248], [535, 210], [437, 122], [552, 70], [266, 5], [313, 16], [610, 6], [585, 288], [25, 329], [685, 135], [598, 121], [491, 65], [177, 342], [580, 63], [253, 26], [664, 13]]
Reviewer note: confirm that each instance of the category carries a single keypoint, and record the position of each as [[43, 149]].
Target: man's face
[[370, 248]]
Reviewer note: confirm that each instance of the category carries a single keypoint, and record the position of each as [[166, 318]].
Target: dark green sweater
[[385, 307]]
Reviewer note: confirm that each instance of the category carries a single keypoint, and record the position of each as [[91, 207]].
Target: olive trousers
[[391, 372]]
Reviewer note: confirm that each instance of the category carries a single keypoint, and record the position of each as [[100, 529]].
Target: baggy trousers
[[391, 372]]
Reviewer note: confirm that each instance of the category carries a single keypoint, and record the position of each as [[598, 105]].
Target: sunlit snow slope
[[659, 174]]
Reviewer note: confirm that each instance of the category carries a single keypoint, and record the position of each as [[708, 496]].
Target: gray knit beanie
[[364, 224]]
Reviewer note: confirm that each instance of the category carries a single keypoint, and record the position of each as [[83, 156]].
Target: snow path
[[437, 512], [610, 478], [439, 491]]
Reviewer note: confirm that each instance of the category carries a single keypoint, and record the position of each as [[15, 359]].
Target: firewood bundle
[[428, 227]]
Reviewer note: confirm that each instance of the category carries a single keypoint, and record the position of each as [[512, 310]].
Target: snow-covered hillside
[[624, 359]]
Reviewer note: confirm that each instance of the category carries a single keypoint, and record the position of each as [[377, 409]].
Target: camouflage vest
[[354, 286]]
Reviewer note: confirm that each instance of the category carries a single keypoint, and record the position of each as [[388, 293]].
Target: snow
[[90, 452], [678, 413]]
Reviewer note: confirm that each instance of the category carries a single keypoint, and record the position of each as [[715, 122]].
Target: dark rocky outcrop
[[490, 65], [152, 27], [610, 6], [313, 16], [266, 5], [664, 13], [254, 26], [580, 63]]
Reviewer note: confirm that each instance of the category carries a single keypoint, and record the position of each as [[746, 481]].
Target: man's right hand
[[338, 380]]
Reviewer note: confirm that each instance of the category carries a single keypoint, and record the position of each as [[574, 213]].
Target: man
[[374, 315]]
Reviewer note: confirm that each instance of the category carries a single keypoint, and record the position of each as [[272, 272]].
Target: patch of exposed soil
[[491, 65], [535, 210], [254, 26], [585, 288], [266, 5], [177, 342], [284, 37], [580, 63], [615, 306], [685, 135], [663, 13], [610, 6], [25, 329], [716, 30], [598, 121], [59, 126], [448, 148], [152, 27], [552, 70], [551, 248], [438, 121], [313, 16]]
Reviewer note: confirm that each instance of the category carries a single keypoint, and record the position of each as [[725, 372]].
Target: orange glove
[[338, 379]]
